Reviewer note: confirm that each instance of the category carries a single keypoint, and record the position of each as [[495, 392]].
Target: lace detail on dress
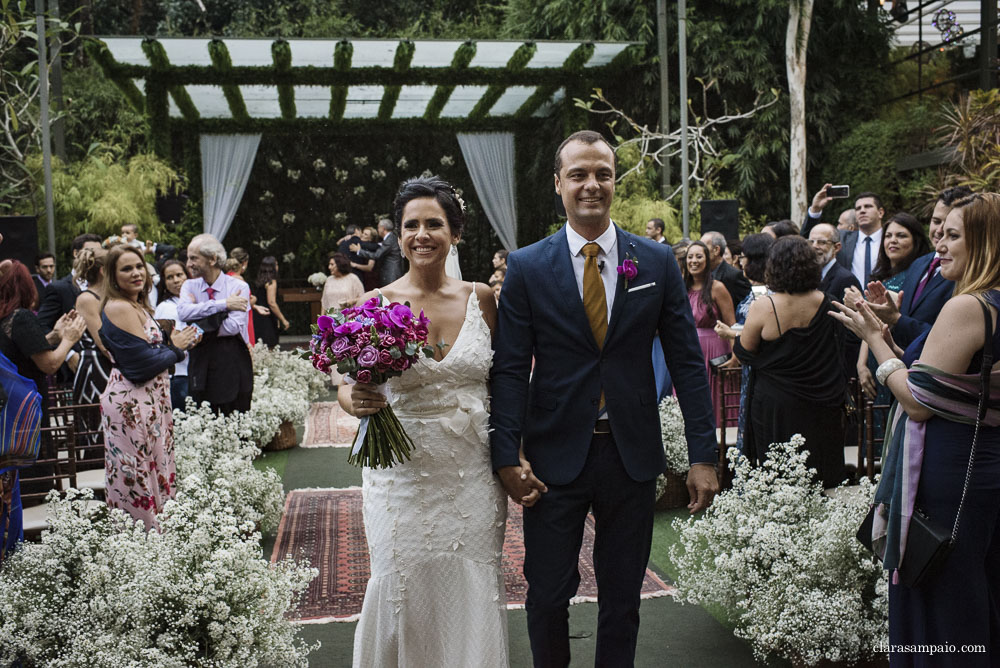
[[435, 524]]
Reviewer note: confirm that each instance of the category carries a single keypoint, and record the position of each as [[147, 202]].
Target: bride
[[435, 524]]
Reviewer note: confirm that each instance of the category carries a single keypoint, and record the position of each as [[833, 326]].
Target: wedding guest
[[780, 228], [59, 297], [388, 257], [365, 268], [342, 288], [734, 247], [265, 289], [499, 274], [344, 245], [710, 303], [903, 241], [500, 259], [137, 418], [496, 286], [797, 381], [236, 266], [45, 271], [754, 261], [94, 368], [680, 253], [23, 340], [220, 370], [940, 394], [173, 273]]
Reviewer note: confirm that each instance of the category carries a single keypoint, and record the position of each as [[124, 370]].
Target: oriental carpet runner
[[325, 527], [327, 426]]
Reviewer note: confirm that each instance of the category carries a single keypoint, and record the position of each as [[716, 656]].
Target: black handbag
[[927, 543]]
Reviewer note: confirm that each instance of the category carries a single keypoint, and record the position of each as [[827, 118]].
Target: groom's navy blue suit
[[542, 318]]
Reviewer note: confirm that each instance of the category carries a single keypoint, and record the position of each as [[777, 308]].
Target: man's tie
[[868, 261], [211, 293], [595, 301], [926, 279]]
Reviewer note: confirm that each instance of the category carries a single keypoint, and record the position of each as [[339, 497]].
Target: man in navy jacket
[[584, 420]]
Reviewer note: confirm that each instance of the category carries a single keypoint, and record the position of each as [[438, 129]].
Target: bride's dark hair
[[440, 190]]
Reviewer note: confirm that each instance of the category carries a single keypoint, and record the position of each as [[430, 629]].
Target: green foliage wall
[[304, 190]]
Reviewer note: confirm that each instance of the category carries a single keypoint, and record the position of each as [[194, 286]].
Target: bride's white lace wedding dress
[[435, 524]]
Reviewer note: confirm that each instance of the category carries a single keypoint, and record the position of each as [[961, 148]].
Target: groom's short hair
[[583, 136]]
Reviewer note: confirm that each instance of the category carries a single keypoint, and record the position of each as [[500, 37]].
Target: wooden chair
[[728, 400], [55, 465], [86, 421]]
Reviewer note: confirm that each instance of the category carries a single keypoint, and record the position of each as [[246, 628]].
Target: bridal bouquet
[[372, 343]]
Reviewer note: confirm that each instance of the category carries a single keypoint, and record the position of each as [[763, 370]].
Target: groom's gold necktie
[[594, 299]]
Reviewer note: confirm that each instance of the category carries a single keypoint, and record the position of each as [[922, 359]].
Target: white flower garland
[[674, 442], [784, 561]]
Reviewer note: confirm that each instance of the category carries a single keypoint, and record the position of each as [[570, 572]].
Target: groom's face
[[586, 182]]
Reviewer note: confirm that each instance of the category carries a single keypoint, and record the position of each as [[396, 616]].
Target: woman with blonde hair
[[939, 463], [92, 371], [137, 420]]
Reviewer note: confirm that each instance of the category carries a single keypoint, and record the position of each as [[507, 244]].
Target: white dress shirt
[[828, 266], [858, 262], [608, 241]]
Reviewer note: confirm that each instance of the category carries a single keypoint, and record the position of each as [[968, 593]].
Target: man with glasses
[[825, 241]]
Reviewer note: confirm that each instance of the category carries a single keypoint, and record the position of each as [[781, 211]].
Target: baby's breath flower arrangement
[[783, 560], [101, 591], [674, 443], [317, 279]]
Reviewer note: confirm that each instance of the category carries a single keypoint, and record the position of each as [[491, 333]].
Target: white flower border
[[99, 590]]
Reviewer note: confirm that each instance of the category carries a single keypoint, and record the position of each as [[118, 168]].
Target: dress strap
[[775, 309]]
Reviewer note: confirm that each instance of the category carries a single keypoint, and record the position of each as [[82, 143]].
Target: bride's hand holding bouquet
[[372, 343]]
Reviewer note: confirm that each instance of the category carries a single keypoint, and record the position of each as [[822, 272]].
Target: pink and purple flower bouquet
[[372, 343]]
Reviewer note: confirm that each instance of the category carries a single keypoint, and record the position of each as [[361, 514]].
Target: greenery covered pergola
[[351, 86], [392, 89]]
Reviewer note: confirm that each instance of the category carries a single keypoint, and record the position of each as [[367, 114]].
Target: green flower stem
[[386, 442]]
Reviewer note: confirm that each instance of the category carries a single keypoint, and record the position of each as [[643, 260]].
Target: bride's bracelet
[[887, 368]]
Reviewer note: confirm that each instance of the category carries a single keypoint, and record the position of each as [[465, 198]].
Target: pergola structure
[[351, 86], [492, 95]]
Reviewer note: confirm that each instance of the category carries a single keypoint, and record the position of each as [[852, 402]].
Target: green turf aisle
[[670, 634]]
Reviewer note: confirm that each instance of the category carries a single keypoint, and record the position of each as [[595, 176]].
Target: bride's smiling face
[[426, 235]]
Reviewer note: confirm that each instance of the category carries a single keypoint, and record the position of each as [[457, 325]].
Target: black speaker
[[721, 215], [20, 239]]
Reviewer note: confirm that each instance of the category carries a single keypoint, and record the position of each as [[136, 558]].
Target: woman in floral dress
[[138, 425]]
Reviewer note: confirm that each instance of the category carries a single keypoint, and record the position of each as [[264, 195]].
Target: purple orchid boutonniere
[[629, 268]]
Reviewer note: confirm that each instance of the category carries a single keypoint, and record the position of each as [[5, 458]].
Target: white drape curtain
[[226, 161], [490, 159]]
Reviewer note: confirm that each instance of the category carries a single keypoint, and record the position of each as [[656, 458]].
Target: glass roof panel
[[261, 101], [434, 53], [363, 101], [209, 101], [374, 53], [127, 50], [250, 52], [413, 101], [312, 52], [604, 53], [511, 100], [312, 101], [187, 51], [551, 54], [546, 108], [493, 54], [462, 100]]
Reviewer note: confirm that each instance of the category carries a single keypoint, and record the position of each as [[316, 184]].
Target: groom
[[586, 416]]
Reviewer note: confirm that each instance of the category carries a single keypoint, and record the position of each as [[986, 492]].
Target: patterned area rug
[[327, 426], [325, 527]]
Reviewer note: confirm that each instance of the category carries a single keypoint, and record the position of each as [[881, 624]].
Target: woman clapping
[[138, 424]]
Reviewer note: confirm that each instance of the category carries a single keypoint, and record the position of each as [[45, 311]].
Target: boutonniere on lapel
[[629, 267]]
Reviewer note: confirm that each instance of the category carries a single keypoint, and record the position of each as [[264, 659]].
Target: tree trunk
[[796, 41]]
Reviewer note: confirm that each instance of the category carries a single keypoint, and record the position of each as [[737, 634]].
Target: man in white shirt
[[654, 230]]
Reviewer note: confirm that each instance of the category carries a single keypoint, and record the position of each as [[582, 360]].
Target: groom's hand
[[521, 484], [703, 485]]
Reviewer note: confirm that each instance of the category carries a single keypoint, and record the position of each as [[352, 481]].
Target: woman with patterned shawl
[[925, 463]]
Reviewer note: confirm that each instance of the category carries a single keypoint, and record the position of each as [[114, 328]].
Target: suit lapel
[[624, 246], [565, 281]]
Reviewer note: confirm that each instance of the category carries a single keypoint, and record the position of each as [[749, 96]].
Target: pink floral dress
[[139, 435]]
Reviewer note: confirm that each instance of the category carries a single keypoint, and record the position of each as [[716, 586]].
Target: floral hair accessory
[[458, 198]]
